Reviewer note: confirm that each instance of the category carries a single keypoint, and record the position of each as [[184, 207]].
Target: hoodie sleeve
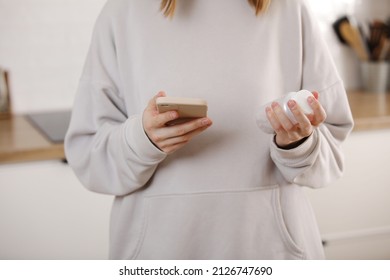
[[105, 145], [319, 160]]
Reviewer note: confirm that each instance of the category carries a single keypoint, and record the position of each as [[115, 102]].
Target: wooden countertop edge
[[30, 145], [374, 123], [56, 152], [371, 111]]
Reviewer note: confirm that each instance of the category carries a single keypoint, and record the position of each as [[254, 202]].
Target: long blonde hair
[[168, 6]]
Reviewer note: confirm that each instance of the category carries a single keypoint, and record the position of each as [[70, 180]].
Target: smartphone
[[187, 108]]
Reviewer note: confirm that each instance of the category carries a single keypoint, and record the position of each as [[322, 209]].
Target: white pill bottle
[[300, 97]]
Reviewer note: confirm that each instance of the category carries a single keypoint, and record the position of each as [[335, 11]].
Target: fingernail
[[310, 99], [173, 115], [205, 122], [292, 104]]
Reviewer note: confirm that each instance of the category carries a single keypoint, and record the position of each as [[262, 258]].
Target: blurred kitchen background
[[46, 214]]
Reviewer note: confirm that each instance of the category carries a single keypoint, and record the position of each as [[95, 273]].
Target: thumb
[[152, 102], [316, 94]]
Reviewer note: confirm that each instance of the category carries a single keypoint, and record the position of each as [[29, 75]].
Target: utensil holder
[[375, 76]]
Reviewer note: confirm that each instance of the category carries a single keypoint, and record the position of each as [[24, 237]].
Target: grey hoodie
[[230, 193]]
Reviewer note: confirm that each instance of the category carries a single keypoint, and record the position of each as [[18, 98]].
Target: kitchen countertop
[[20, 141], [370, 111]]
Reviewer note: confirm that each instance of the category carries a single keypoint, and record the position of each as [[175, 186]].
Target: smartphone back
[[186, 107]]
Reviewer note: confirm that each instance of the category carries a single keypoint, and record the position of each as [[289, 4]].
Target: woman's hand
[[288, 134], [170, 138]]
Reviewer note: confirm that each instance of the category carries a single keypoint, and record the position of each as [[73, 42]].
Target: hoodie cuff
[[297, 156], [139, 142]]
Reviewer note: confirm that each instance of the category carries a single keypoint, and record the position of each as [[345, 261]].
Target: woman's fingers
[[170, 138], [173, 143], [278, 119], [153, 118], [287, 131], [319, 114], [303, 122], [178, 133], [151, 107]]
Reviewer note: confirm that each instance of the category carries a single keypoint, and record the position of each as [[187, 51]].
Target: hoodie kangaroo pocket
[[245, 224]]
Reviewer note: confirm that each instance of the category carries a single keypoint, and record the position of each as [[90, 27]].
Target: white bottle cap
[[301, 98]]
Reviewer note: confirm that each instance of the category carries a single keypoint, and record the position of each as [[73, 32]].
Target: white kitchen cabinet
[[45, 213], [354, 212]]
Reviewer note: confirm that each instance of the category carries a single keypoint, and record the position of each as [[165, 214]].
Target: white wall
[[43, 43]]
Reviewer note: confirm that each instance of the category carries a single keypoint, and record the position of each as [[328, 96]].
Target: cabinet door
[[353, 213], [45, 213]]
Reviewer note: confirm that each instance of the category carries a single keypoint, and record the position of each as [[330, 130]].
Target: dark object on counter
[[350, 34], [5, 99], [336, 26], [53, 125], [369, 43], [379, 40]]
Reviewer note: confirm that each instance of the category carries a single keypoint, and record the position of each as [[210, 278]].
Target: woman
[[215, 187]]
